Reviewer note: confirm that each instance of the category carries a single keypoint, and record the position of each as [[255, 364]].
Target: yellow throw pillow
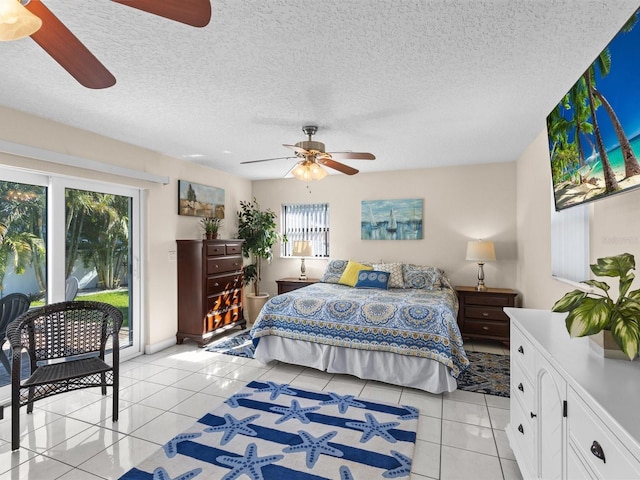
[[350, 274]]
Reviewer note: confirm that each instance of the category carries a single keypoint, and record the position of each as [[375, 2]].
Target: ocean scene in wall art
[[200, 200], [594, 131], [391, 219]]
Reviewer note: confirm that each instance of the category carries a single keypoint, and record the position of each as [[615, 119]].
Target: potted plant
[[259, 230], [592, 312], [211, 226]]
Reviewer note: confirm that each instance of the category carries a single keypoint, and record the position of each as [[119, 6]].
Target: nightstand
[[481, 314], [291, 283]]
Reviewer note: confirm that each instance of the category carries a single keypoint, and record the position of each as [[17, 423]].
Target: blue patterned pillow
[[418, 276], [372, 279], [334, 270]]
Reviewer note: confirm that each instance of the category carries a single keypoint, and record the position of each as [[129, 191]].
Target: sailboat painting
[[391, 219]]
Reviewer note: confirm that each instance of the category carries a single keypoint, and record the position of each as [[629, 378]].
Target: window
[[570, 244], [306, 222]]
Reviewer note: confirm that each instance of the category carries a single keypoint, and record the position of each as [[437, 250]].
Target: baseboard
[[156, 347]]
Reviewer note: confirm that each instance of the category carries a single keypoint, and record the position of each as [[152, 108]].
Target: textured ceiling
[[419, 83]]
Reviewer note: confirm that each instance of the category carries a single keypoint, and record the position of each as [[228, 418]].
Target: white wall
[[614, 224], [163, 224], [460, 203]]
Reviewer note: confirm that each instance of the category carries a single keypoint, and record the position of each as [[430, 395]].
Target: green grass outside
[[117, 298]]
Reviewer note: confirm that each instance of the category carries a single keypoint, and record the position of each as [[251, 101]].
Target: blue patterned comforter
[[414, 322]]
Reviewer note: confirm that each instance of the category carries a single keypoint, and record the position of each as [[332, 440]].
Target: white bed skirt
[[421, 373]]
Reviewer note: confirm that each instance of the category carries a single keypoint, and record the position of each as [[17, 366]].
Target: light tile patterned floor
[[71, 436]]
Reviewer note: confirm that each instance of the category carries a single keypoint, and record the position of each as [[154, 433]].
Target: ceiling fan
[[66, 49], [313, 158]]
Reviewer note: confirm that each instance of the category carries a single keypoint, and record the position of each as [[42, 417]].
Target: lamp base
[[481, 287], [303, 270]]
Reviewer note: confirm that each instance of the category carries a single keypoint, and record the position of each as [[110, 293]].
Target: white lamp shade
[[307, 170], [480, 251], [16, 21], [302, 248]]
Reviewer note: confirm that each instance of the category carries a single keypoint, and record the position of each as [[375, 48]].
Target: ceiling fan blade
[[353, 155], [65, 48], [341, 167], [265, 160], [196, 13], [299, 150]]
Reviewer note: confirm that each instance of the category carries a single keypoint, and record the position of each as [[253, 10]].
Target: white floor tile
[[132, 418], [37, 467], [163, 428], [120, 457], [426, 459], [502, 442], [465, 413], [500, 402], [499, 418], [9, 459], [429, 429], [28, 422], [167, 398], [427, 403], [344, 385], [77, 474], [376, 393], [224, 388], [139, 391], [143, 371], [468, 437], [310, 381], [464, 396], [197, 405], [52, 434], [457, 464], [81, 447], [510, 469]]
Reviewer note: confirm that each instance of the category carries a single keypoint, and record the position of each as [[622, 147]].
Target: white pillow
[[396, 279]]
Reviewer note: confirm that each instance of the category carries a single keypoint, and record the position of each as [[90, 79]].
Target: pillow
[[334, 271], [418, 276], [396, 279], [350, 274], [372, 279]]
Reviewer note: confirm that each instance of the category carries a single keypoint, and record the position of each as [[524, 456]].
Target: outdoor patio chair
[[70, 289], [66, 343], [11, 307]]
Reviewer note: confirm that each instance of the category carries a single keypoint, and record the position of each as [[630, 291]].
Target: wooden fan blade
[[353, 155], [65, 48], [265, 160], [299, 150], [341, 167], [196, 13]]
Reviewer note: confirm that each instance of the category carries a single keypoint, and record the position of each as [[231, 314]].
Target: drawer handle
[[216, 284], [521, 429], [485, 328], [521, 387], [216, 266], [597, 451], [521, 350], [485, 314], [533, 415]]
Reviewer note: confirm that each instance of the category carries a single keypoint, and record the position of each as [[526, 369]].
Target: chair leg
[[15, 417], [30, 404], [116, 393], [103, 381]]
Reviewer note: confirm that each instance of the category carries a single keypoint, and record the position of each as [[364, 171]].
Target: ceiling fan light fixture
[[16, 21], [308, 170]]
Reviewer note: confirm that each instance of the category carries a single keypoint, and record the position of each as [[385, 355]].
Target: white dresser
[[574, 414]]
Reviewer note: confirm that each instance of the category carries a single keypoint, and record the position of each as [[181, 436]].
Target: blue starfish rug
[[269, 431], [239, 345]]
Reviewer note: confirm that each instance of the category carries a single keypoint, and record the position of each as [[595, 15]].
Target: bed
[[402, 336]]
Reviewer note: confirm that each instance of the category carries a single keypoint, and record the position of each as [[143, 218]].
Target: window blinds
[[570, 243], [306, 222]]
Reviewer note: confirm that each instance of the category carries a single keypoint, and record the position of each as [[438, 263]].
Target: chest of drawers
[[291, 283], [210, 288], [481, 315]]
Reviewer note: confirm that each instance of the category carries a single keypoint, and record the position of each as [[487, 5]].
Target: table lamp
[[302, 248], [480, 251]]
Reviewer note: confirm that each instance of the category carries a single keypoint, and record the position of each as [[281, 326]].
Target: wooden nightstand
[[291, 283], [481, 314]]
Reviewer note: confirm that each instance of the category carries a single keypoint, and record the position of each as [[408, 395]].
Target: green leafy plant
[[592, 312], [211, 224], [259, 230]]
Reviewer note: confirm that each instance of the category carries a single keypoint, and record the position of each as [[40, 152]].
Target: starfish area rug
[[269, 431]]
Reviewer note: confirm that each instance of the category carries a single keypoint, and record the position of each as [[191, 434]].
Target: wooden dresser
[[210, 288], [480, 314], [291, 283]]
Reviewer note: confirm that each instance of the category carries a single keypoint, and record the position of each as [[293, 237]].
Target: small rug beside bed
[[269, 431], [487, 373]]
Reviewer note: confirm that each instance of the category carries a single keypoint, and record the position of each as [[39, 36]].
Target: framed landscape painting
[[391, 219], [200, 200]]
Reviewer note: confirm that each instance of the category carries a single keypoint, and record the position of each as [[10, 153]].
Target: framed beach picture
[[200, 200], [391, 219]]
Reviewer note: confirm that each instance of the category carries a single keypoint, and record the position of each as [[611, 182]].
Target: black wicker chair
[[66, 343], [11, 307]]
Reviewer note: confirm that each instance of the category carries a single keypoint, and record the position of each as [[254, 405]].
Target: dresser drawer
[[489, 300], [215, 249], [522, 431], [522, 351], [233, 248], [224, 300], [485, 313], [223, 264], [221, 283], [223, 317], [522, 388], [589, 435], [488, 328]]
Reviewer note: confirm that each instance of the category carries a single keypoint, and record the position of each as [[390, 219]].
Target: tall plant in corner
[[259, 230], [591, 312]]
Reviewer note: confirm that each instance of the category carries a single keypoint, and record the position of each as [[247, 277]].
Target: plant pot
[[604, 343], [254, 305], [211, 236]]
